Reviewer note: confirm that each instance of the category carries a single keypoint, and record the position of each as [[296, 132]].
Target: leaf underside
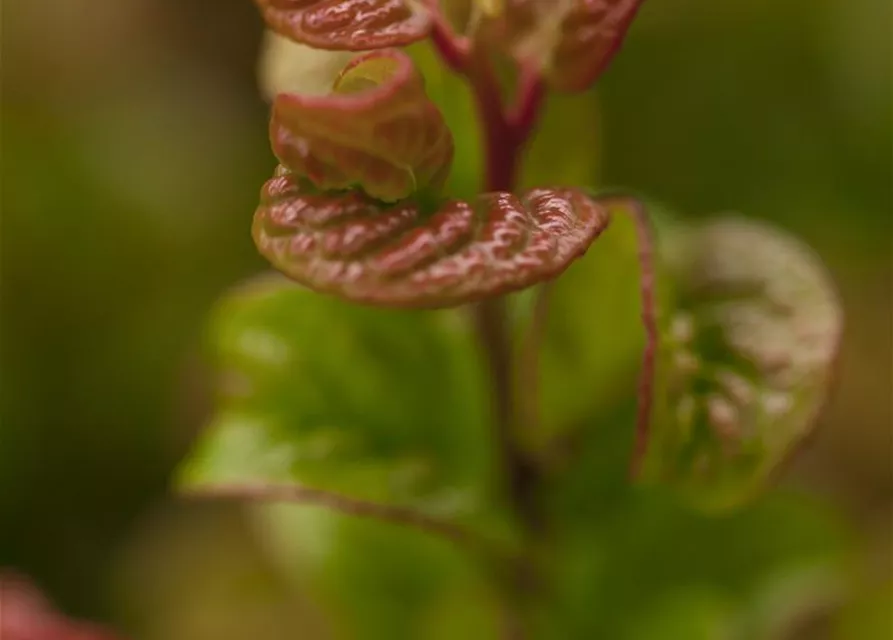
[[350, 25], [746, 359], [571, 41], [398, 255], [377, 130]]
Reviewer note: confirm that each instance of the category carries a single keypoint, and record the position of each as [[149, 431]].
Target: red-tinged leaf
[[377, 130], [571, 41], [398, 255], [351, 25], [26, 615], [746, 359]]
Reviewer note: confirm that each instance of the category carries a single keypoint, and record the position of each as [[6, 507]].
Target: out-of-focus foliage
[[745, 358], [389, 408], [382, 405], [133, 146]]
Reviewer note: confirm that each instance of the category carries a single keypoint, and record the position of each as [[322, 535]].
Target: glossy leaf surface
[[375, 404], [377, 130], [746, 358], [399, 255], [571, 41], [354, 25]]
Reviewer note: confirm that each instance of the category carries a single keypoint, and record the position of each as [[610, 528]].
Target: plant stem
[[504, 138], [529, 365], [493, 331], [300, 494], [649, 321], [505, 132]]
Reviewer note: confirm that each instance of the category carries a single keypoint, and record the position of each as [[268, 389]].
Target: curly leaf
[[571, 41], [746, 359], [377, 130], [351, 25], [375, 404], [398, 255], [285, 66]]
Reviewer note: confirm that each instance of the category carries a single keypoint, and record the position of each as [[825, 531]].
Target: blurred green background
[[134, 146]]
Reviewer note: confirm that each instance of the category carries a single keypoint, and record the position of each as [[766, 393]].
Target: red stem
[[452, 48], [501, 143], [505, 134], [524, 114], [649, 321]]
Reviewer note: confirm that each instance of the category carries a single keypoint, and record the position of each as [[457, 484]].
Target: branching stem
[[505, 132]]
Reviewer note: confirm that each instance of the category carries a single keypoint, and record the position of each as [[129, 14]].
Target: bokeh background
[[133, 148]]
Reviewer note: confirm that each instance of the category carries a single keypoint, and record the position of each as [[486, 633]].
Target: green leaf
[[379, 581], [592, 339], [353, 25], [745, 360], [378, 405], [400, 256], [569, 41], [455, 99], [564, 150], [644, 565], [377, 130], [382, 406]]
